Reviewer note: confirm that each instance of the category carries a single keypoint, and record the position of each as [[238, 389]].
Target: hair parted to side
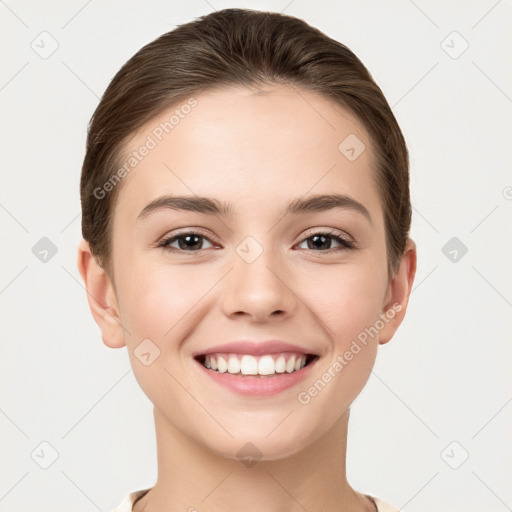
[[239, 47]]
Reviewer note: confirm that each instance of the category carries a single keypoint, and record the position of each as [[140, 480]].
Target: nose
[[261, 290]]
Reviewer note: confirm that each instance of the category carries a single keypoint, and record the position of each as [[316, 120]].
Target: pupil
[[187, 239], [323, 238]]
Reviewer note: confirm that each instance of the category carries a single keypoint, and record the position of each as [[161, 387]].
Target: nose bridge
[[257, 285]]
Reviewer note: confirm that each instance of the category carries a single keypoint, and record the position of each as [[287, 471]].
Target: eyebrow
[[211, 206]]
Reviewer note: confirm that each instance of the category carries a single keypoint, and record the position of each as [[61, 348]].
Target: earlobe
[[398, 292], [101, 297]]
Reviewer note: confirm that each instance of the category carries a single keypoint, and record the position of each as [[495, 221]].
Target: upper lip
[[255, 348]]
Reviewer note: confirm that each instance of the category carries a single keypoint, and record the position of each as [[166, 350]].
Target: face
[[262, 260]]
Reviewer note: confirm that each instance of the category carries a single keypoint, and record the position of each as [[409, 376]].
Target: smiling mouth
[[267, 365]]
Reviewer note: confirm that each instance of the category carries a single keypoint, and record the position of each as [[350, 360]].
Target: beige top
[[129, 501]]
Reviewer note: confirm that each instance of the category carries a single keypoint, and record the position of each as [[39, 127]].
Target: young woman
[[246, 216]]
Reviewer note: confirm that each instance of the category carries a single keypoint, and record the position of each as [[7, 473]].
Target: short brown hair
[[239, 47]]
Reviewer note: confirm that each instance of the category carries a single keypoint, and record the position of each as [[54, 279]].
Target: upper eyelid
[[329, 231], [188, 231]]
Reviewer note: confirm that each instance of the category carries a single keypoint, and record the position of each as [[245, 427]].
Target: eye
[[193, 241], [323, 240], [190, 241]]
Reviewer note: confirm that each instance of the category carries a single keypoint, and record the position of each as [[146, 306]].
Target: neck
[[192, 478]]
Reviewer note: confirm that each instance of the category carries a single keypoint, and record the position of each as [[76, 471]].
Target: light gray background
[[445, 377]]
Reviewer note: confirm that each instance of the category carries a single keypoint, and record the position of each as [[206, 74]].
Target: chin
[[254, 448]]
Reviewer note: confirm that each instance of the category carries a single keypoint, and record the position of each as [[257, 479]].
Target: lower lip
[[255, 385]]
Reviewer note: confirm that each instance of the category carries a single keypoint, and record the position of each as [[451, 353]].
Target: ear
[[101, 296], [397, 294]]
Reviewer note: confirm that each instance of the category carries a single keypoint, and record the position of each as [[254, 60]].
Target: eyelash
[[345, 244]]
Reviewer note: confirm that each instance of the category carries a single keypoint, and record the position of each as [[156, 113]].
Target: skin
[[258, 150]]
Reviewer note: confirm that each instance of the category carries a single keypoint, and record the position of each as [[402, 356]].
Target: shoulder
[[127, 504], [382, 506]]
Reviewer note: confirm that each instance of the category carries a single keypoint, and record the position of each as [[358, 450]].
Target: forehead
[[249, 146]]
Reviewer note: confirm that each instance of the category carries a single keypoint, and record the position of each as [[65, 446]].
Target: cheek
[[348, 306], [157, 303], [347, 301], [157, 297]]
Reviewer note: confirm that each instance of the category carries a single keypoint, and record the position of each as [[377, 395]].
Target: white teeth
[[223, 365], [255, 365], [233, 364], [249, 365], [280, 364], [266, 366], [290, 365]]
